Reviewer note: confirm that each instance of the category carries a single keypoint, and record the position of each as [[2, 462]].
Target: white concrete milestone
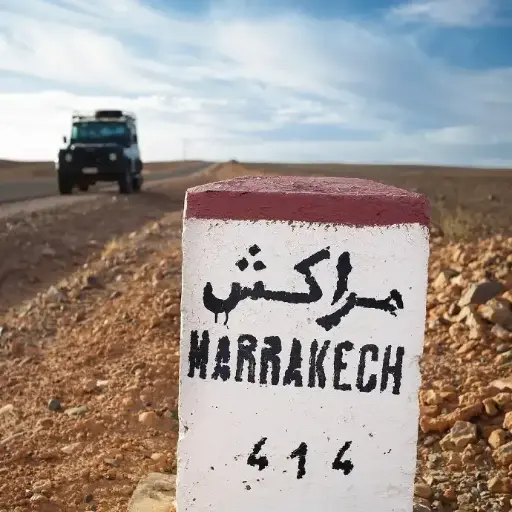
[[299, 365]]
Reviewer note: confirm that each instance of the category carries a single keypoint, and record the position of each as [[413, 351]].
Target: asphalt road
[[12, 191]]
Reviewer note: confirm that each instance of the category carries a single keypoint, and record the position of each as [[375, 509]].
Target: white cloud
[[281, 88], [463, 13]]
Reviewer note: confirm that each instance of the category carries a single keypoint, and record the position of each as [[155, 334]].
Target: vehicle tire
[[137, 183], [65, 186], [84, 187], [126, 182]]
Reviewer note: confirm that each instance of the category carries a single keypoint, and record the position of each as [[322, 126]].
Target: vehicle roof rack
[[104, 115]]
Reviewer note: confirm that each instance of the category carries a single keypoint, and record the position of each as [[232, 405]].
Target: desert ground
[[13, 171], [89, 337]]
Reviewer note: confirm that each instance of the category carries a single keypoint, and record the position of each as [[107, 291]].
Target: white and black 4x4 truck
[[103, 146]]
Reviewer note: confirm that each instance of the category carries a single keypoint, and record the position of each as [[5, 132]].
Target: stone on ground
[[155, 493]]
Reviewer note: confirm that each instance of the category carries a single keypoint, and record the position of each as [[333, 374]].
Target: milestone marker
[[303, 309]]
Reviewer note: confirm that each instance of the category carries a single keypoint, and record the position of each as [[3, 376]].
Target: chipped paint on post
[[299, 353]]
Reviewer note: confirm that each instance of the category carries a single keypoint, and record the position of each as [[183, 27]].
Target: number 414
[[300, 453]]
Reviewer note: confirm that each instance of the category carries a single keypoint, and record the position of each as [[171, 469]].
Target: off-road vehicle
[[103, 146]]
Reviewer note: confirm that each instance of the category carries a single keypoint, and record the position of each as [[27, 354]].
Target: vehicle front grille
[[89, 159]]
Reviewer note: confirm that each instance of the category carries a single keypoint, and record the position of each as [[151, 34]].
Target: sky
[[375, 81]]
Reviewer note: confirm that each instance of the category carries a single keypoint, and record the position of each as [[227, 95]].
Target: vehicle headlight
[[113, 157], [68, 157]]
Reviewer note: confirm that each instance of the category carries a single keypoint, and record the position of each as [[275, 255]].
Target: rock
[[38, 499], [101, 384], [504, 357], [423, 490], [460, 281], [456, 331], [502, 384], [445, 421], [429, 410], [55, 295], [54, 405], [42, 486], [497, 312], [155, 493], [48, 251], [453, 310], [431, 397], [480, 293], [10, 438], [77, 411], [443, 279], [92, 281], [44, 423], [503, 400], [497, 438], [71, 448], [89, 385], [500, 485], [454, 459], [112, 462], [461, 434], [7, 410], [160, 461], [467, 347], [503, 455], [80, 316], [449, 495], [490, 407], [476, 324], [149, 419], [421, 507], [469, 315], [501, 333]]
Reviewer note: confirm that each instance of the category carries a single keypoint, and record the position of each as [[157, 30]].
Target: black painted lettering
[[316, 368], [222, 368], [340, 365], [300, 453], [246, 348], [198, 355], [372, 380], [395, 370], [293, 372], [255, 459], [270, 356], [343, 465]]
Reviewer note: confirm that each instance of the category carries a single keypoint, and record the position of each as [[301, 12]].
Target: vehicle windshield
[[98, 131]]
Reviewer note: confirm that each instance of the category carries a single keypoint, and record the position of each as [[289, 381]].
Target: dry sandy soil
[[89, 335]]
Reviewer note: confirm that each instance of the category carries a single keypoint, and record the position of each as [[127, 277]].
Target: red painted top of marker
[[349, 201]]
